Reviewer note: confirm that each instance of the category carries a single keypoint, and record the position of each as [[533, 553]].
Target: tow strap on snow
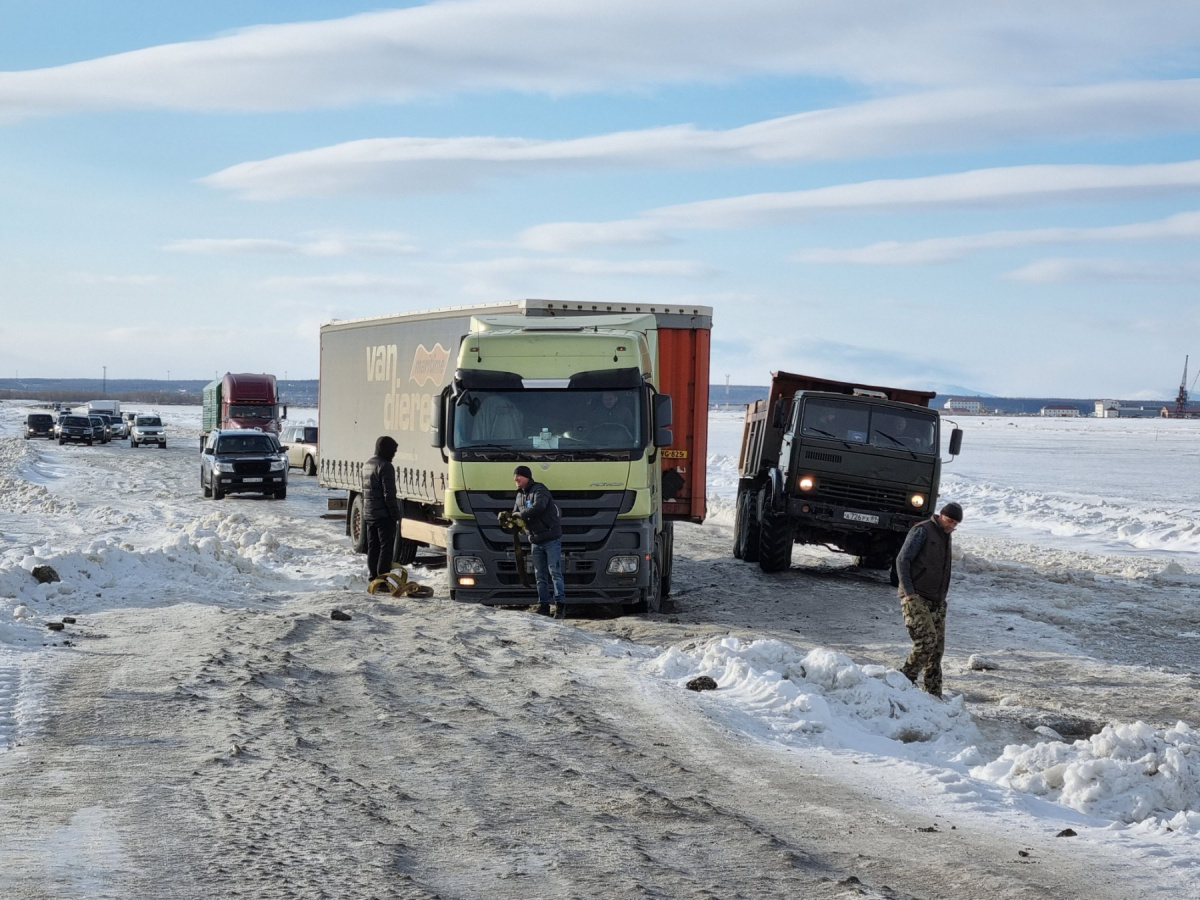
[[397, 584]]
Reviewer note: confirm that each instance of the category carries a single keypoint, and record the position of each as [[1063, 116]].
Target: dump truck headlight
[[917, 501], [807, 483]]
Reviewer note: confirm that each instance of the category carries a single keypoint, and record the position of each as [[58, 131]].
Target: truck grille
[[863, 495], [587, 517], [251, 467], [817, 455]]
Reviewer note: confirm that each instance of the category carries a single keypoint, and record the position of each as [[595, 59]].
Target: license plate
[[861, 517], [251, 480]]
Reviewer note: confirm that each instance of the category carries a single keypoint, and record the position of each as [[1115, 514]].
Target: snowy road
[[205, 729]]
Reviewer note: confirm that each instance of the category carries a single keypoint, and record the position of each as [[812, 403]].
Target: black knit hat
[[524, 470], [952, 511]]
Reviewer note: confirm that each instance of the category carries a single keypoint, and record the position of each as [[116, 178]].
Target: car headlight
[[277, 464], [623, 565], [917, 501], [225, 467], [469, 565]]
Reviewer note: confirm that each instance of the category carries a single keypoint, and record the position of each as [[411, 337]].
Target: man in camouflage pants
[[923, 567]]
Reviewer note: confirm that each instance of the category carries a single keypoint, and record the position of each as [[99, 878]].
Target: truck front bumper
[[586, 569]]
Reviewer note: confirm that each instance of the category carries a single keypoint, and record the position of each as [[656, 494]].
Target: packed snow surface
[[1081, 539]]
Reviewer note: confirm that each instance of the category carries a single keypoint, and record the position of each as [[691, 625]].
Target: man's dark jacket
[[923, 564], [536, 505], [379, 490]]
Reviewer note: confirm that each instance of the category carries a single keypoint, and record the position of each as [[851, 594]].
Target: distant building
[[1114, 409], [1062, 410], [964, 405]]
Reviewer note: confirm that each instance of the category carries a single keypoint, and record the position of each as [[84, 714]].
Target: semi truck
[[850, 466], [243, 400], [606, 403]]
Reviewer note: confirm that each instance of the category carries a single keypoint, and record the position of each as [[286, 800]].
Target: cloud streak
[[1181, 227], [556, 48], [368, 245], [994, 188], [941, 121]]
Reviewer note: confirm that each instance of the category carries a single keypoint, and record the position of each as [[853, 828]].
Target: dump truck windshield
[[549, 420], [864, 423]]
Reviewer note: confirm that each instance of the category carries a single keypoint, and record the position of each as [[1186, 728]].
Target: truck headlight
[[623, 565], [469, 565], [917, 501], [807, 483]]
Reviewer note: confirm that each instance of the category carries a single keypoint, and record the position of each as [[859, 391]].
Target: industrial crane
[[1181, 401]]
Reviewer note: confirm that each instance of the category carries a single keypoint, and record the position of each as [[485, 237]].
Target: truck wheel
[[405, 550], [310, 467], [358, 532], [775, 543], [745, 533], [668, 557]]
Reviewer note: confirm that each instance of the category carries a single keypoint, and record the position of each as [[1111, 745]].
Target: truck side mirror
[[283, 413], [437, 419], [955, 441], [663, 413]]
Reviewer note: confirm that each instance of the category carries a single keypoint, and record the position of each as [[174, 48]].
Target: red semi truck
[[243, 400]]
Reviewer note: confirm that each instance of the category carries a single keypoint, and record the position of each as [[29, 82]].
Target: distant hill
[[147, 390]]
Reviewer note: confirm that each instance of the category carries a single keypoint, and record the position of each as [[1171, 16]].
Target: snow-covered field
[[1071, 650]]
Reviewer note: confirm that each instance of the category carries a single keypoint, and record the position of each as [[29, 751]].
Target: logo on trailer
[[429, 366]]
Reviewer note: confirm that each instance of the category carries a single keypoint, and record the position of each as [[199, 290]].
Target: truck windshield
[[549, 420], [251, 410], [863, 423]]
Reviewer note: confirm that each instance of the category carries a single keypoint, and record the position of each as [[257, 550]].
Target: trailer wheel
[[358, 532], [668, 557], [745, 533]]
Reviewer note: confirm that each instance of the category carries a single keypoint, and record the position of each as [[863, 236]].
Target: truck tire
[[775, 543], [354, 521], [668, 557], [745, 531], [310, 467], [405, 550], [205, 488]]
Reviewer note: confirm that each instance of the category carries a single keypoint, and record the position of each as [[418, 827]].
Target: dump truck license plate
[[861, 517]]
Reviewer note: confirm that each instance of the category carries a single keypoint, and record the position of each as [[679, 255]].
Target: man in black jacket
[[536, 506], [923, 567], [381, 509]]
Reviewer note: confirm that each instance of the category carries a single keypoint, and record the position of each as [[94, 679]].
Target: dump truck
[[241, 400], [850, 466], [606, 403]]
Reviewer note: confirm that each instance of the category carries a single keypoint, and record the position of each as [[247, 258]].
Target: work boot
[[560, 610], [543, 609]]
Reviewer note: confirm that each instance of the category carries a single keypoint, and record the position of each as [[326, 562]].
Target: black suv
[[75, 428], [39, 425], [243, 461]]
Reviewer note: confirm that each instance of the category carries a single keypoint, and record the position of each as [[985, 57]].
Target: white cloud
[[587, 45], [1015, 186], [596, 267], [370, 245], [118, 280], [938, 121], [346, 282], [1184, 226], [1085, 270]]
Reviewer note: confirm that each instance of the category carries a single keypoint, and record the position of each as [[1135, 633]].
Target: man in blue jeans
[[536, 506]]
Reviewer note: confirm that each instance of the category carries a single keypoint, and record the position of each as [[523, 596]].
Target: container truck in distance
[[606, 403], [244, 400], [850, 466]]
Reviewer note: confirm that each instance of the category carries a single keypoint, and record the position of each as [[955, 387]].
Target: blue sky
[[1004, 197]]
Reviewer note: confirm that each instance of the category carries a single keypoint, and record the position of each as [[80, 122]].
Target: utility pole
[[104, 384]]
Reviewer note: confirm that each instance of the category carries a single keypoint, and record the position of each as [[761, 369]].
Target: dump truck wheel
[[745, 534], [775, 543]]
